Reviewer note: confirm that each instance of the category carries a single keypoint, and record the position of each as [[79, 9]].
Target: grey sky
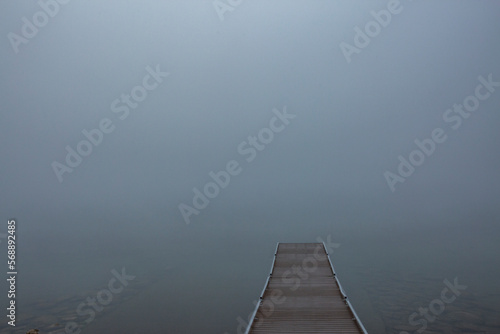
[[353, 120]]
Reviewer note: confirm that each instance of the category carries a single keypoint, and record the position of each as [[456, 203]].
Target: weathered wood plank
[[302, 295]]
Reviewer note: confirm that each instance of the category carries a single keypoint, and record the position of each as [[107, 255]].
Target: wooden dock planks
[[303, 295]]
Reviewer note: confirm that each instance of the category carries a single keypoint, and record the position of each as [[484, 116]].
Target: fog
[[181, 140]]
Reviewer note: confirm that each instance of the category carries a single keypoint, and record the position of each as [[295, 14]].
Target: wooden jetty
[[303, 295]]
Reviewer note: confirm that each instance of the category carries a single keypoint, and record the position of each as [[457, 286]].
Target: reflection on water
[[414, 303], [204, 278], [384, 301]]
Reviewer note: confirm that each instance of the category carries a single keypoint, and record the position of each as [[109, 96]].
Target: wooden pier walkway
[[303, 295]]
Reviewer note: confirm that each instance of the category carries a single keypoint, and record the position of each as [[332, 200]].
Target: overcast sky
[[354, 115]]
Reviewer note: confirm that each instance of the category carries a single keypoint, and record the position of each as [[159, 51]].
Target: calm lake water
[[203, 277]]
